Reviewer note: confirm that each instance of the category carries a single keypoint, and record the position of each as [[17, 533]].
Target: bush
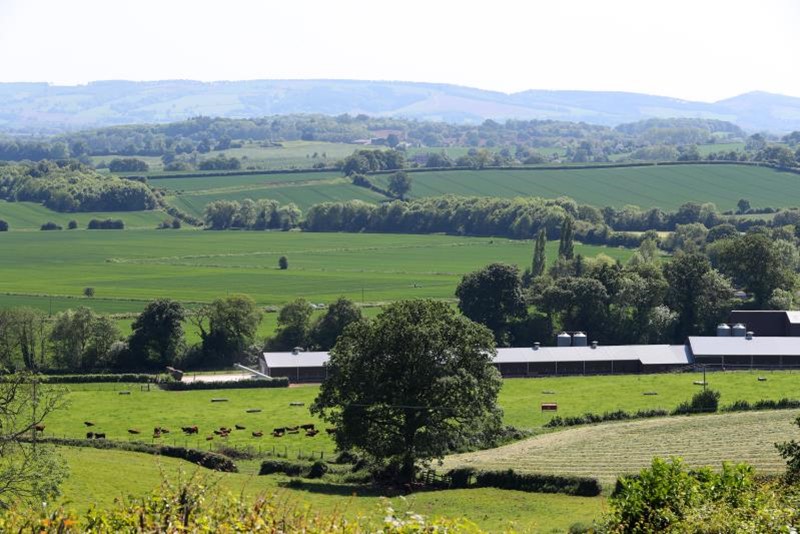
[[209, 460], [317, 470], [280, 382], [50, 225], [292, 469], [3, 226], [73, 224], [706, 401], [283, 263], [461, 477], [107, 224], [580, 486], [176, 224], [128, 165]]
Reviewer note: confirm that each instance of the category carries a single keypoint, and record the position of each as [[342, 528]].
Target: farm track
[[608, 450]]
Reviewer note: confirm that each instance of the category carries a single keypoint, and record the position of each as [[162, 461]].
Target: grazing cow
[[258, 434], [240, 427], [292, 428], [311, 433], [88, 423], [189, 429], [89, 435], [209, 438], [280, 430], [308, 426], [277, 434], [224, 429], [330, 431], [133, 431], [39, 428], [99, 435]]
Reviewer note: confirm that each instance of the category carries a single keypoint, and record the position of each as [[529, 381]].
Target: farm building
[[574, 357]]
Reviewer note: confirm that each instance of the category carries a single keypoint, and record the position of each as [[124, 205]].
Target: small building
[[297, 366], [750, 352]]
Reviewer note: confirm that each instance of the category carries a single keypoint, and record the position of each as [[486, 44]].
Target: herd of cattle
[[222, 432]]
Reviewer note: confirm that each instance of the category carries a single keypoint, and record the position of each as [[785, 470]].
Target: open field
[[98, 477], [611, 449], [519, 398], [203, 265], [31, 216], [665, 186]]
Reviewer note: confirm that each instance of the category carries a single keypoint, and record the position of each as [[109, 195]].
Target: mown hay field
[[665, 186], [608, 450], [194, 266]]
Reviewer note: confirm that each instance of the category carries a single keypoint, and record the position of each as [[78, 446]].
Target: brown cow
[[99, 435], [240, 427], [330, 431], [311, 433], [258, 434], [39, 428], [308, 426]]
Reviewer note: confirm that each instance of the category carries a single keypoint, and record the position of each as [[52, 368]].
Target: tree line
[[69, 186]]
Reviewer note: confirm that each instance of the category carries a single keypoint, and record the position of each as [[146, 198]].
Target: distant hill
[[39, 107]]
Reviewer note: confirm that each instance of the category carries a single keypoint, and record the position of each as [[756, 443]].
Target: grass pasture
[[31, 216], [608, 450], [196, 266], [100, 476], [666, 186]]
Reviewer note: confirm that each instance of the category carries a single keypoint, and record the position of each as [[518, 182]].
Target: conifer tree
[[539, 258]]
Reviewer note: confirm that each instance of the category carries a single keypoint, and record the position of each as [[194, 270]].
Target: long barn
[[716, 352]]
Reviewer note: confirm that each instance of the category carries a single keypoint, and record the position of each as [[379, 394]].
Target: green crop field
[[31, 216], [98, 477], [196, 266], [608, 450], [665, 186], [231, 183]]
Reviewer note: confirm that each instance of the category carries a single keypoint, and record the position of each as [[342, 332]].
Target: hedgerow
[[278, 382]]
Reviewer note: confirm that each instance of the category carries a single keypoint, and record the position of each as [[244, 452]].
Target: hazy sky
[[697, 49]]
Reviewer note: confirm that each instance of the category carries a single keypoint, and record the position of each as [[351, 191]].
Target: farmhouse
[[574, 357]]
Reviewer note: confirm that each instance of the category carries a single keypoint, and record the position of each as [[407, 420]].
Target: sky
[[704, 50]]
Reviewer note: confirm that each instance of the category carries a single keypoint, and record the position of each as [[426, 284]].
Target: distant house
[[768, 322]]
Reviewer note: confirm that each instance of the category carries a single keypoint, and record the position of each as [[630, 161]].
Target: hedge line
[[92, 378], [744, 406], [530, 482], [279, 382], [209, 460], [590, 418]]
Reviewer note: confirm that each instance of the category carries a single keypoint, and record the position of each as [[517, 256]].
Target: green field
[[664, 186], [519, 398], [99, 477], [203, 265], [31, 216], [608, 450]]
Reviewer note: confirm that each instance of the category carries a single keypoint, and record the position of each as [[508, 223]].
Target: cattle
[[189, 429], [88, 423], [90, 435], [258, 434], [277, 434], [39, 428], [209, 438], [292, 428], [308, 426], [311, 433], [330, 431], [240, 427], [133, 431], [279, 430], [225, 429], [99, 435]]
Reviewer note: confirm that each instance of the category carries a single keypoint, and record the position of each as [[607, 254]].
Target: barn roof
[[647, 354], [741, 346]]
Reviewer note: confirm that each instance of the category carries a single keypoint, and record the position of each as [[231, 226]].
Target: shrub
[[706, 401], [209, 460], [317, 470], [461, 477], [279, 382], [176, 224], [292, 469], [107, 224], [581, 486], [283, 263], [128, 165], [93, 378], [50, 225], [590, 418], [73, 224], [3, 226]]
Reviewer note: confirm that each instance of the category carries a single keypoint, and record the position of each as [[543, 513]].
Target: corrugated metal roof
[[741, 346], [276, 360], [647, 354]]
